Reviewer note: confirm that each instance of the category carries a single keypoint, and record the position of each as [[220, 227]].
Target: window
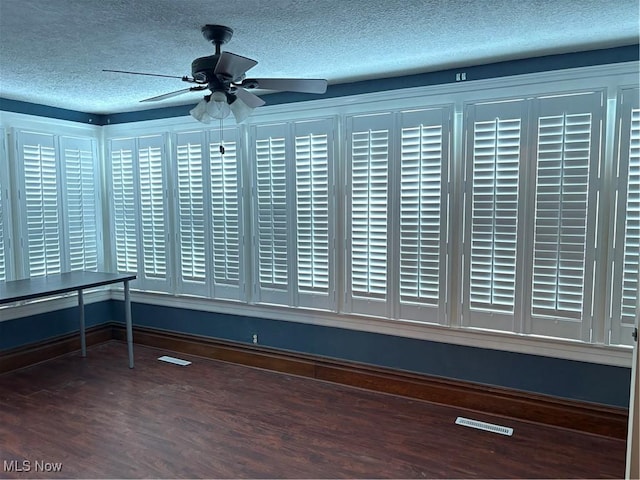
[[152, 192], [368, 184], [81, 219], [494, 173], [5, 210], [209, 209], [227, 228], [530, 214], [398, 213], [58, 203], [41, 203], [191, 213], [123, 205], [314, 219], [568, 158], [625, 243], [423, 230], [293, 192], [272, 222], [139, 210]]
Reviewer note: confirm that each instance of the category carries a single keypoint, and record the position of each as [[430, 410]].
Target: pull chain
[[221, 139]]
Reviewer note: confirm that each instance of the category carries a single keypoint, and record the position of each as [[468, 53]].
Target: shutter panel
[[37, 154], [3, 200], [226, 218], [424, 160], [313, 143], [153, 211], [4, 210], [494, 166], [632, 225], [272, 214], [81, 218], [567, 151], [623, 297], [124, 205], [368, 151], [192, 215]]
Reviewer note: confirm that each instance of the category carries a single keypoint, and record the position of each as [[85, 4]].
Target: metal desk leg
[[127, 316], [83, 341]]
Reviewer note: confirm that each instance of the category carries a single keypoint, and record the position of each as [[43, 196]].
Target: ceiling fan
[[224, 74]]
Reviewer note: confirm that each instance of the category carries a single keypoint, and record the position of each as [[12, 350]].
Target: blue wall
[[570, 379], [563, 378], [23, 331]]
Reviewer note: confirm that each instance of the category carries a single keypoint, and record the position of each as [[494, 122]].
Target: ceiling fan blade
[[141, 73], [174, 94], [304, 85], [233, 66], [251, 100]]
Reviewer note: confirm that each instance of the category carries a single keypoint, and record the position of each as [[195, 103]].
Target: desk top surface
[[30, 288]]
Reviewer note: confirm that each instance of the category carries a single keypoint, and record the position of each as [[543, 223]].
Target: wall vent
[[489, 427]]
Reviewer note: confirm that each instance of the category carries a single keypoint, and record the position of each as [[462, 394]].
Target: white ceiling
[[52, 51]]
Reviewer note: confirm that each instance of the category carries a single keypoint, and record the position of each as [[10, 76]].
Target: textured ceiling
[[52, 51]]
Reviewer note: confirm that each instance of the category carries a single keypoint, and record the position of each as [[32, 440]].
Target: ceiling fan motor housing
[[202, 69]]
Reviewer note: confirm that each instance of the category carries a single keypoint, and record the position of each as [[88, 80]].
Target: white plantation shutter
[[5, 211], [140, 209], [42, 201], [81, 202], [123, 205], [153, 211], [568, 149], [272, 205], [368, 177], [494, 159], [424, 160], [226, 215], [313, 143], [632, 225], [192, 213], [623, 298]]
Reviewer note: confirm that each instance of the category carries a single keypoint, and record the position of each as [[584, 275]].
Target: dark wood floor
[[213, 419]]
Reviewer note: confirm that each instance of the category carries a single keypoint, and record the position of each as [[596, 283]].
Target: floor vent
[[489, 427], [174, 360]]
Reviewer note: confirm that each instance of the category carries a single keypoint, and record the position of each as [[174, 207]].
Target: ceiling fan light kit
[[224, 74]]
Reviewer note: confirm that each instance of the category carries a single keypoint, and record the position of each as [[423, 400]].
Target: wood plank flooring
[[211, 419]]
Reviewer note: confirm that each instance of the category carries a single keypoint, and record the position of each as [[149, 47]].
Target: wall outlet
[[254, 338]]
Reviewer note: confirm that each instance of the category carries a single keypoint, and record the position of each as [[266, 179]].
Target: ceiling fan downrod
[[217, 34]]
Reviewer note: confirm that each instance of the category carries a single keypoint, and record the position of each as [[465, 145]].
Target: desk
[[30, 288]]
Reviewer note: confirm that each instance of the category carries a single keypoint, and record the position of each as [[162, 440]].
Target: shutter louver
[[369, 190], [124, 208], [494, 214], [225, 217], [632, 226], [272, 213], [560, 237], [421, 158], [152, 212], [312, 212], [191, 209], [81, 212], [42, 204]]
